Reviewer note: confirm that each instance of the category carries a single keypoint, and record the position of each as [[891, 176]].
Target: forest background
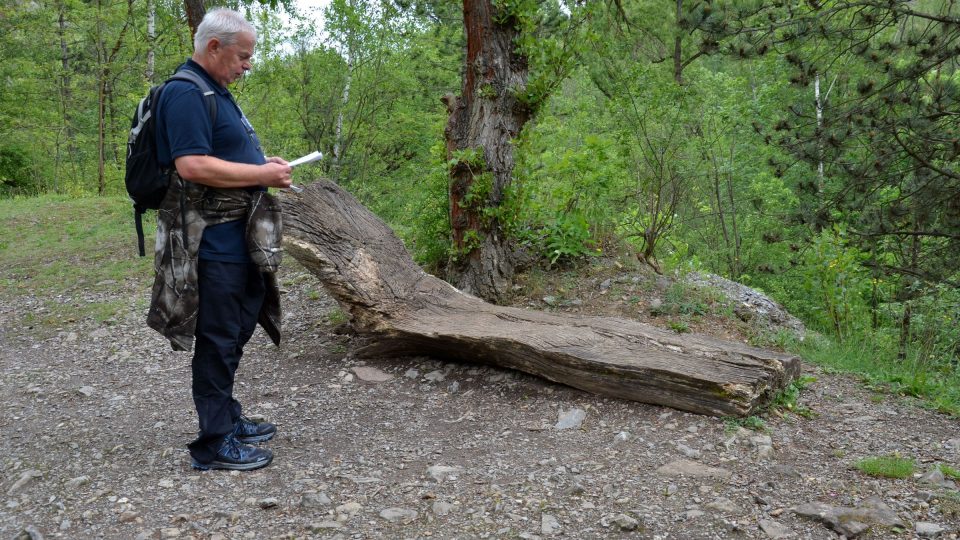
[[806, 149]]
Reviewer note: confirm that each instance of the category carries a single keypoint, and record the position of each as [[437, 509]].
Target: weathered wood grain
[[409, 312]]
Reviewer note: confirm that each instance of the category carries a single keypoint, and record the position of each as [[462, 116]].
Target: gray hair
[[223, 24]]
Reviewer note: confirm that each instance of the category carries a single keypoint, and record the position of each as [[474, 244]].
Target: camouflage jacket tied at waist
[[184, 214]]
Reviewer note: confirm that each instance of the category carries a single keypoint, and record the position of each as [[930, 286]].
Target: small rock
[[761, 440], [723, 504], [129, 516], [25, 477], [764, 451], [370, 374], [28, 533], [349, 509], [851, 521], [605, 284], [688, 452], [443, 472], [165, 483], [412, 374], [549, 524], [626, 522], [312, 499], [550, 300], [936, 477], [927, 530], [571, 419], [268, 502], [682, 467], [442, 508], [75, 483], [169, 532], [622, 436], [435, 376], [86, 391], [399, 515], [775, 530], [693, 514]]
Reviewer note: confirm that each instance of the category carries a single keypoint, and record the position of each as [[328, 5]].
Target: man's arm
[[215, 172]]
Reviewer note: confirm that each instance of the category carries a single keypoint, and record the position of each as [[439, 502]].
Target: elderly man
[[207, 287]]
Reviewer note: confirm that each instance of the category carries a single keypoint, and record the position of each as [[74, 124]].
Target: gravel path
[[95, 419]]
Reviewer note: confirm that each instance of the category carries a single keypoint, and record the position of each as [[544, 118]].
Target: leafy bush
[[16, 176], [567, 236]]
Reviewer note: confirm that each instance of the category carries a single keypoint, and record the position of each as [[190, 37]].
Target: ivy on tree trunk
[[483, 122]]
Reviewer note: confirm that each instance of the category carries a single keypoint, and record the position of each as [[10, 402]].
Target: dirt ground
[[95, 418]]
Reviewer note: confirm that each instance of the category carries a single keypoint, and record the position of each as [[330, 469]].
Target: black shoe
[[248, 432], [235, 456]]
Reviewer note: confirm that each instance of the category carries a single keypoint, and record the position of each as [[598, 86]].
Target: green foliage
[[788, 399], [336, 317], [15, 174], [753, 423], [836, 283], [887, 466], [948, 471], [567, 237], [874, 356], [679, 327]]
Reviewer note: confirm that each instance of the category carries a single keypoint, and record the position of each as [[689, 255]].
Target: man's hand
[[276, 173]]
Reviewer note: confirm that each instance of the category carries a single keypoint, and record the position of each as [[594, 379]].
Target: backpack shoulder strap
[[209, 94]]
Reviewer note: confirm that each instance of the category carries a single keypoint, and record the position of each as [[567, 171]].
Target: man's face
[[230, 62]]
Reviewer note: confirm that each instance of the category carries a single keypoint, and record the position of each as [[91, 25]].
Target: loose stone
[[571, 419]]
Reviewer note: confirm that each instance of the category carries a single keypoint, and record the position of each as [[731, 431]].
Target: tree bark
[[195, 11], [406, 311], [483, 122], [151, 39], [66, 100]]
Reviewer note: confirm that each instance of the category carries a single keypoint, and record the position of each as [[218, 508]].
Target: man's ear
[[214, 45]]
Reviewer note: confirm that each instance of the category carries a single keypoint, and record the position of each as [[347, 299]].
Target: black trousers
[[230, 298]]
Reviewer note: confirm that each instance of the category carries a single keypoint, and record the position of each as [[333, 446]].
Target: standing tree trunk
[[151, 39], [106, 60], [195, 11], [338, 138], [66, 98], [483, 121]]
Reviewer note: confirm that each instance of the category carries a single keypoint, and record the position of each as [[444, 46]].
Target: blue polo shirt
[[184, 129]]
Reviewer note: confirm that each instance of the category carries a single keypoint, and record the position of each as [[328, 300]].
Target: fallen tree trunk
[[409, 312]]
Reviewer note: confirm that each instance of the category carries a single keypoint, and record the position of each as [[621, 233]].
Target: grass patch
[[64, 250], [877, 365], [336, 316], [886, 466], [949, 471], [753, 423]]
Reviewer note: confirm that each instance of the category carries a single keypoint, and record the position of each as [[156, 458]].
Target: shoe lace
[[231, 447]]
